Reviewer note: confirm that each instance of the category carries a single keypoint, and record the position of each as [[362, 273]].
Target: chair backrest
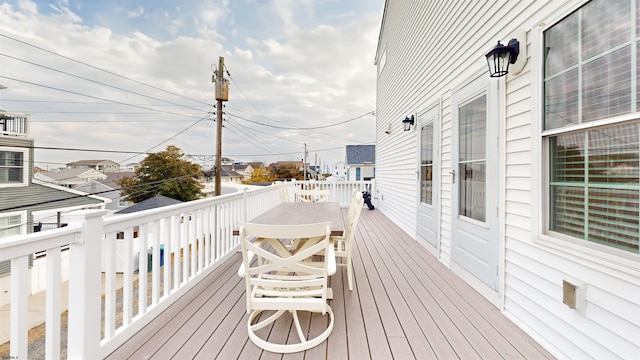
[[355, 208], [315, 195], [284, 192], [279, 280]]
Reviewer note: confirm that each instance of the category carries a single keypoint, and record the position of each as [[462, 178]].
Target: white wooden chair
[[314, 195], [279, 281], [344, 244], [284, 192]]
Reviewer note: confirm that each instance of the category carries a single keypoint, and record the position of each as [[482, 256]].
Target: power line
[[103, 70], [90, 96], [172, 137], [77, 196], [97, 82], [305, 128]]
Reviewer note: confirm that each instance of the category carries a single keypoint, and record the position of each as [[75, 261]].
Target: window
[[473, 159], [10, 225], [591, 72], [13, 169], [426, 164]]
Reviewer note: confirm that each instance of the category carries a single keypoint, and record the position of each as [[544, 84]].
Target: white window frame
[[23, 220], [25, 166], [607, 258]]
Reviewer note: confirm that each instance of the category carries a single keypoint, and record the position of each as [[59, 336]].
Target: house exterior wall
[[428, 49], [94, 187], [339, 171], [366, 171]]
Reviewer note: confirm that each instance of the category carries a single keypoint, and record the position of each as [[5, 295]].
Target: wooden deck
[[405, 304]]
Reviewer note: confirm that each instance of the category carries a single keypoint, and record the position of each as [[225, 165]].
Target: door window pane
[[472, 190], [472, 159], [426, 164]]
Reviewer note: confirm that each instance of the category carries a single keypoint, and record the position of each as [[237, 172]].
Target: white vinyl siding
[[415, 34]]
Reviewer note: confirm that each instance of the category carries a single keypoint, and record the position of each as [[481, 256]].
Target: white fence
[[176, 247]]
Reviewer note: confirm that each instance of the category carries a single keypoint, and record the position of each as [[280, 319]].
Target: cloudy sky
[[135, 76]]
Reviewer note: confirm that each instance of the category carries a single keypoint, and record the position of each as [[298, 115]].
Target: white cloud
[[305, 78], [135, 13]]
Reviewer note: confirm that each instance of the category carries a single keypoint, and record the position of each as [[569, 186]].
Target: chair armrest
[[331, 259]]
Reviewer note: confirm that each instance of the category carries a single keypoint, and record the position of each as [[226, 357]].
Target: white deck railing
[[14, 124], [183, 242]]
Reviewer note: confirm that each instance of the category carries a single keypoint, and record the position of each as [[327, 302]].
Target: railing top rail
[[21, 245], [114, 223]]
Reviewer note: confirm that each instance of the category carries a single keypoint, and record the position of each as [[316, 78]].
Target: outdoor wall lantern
[[501, 56], [408, 123]]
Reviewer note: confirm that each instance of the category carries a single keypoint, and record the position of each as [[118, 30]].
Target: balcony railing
[[176, 246], [14, 124]]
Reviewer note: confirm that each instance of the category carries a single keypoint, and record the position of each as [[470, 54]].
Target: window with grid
[[591, 136], [12, 167]]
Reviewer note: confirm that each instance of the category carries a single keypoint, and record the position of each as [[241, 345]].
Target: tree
[[164, 173], [260, 175], [286, 171]]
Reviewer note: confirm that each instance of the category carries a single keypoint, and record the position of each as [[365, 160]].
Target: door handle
[[453, 176]]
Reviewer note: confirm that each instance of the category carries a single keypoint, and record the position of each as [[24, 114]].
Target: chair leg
[[350, 274], [304, 344]]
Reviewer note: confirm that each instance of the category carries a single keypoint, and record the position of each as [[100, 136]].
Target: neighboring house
[[288, 164], [231, 176], [227, 175], [244, 170], [360, 161], [315, 172], [71, 178], [22, 198], [527, 185], [103, 166], [339, 171], [131, 167], [150, 203], [108, 188]]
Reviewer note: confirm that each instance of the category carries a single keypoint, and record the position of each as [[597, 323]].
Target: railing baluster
[[52, 316], [19, 307], [168, 265], [142, 269], [127, 277], [109, 246], [155, 262]]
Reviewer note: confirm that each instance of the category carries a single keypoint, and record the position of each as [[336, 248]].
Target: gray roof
[[36, 197], [91, 162], [113, 177], [151, 203], [67, 174], [361, 154]]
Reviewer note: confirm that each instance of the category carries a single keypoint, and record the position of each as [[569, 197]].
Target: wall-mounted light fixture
[[408, 122], [499, 58]]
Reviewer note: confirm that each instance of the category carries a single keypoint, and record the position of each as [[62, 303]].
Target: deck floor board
[[405, 304]]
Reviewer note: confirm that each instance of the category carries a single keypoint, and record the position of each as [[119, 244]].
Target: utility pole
[[222, 94], [304, 163]]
